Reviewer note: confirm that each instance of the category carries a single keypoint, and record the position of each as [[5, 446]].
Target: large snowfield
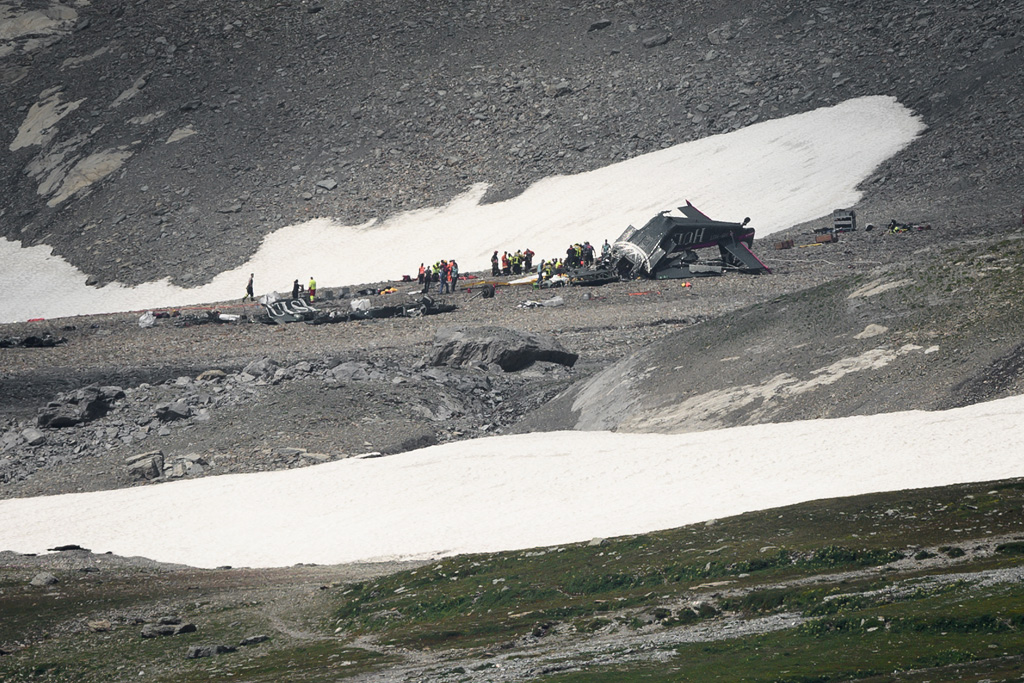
[[511, 492], [779, 173]]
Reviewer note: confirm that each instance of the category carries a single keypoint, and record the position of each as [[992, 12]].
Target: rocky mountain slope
[[150, 140], [147, 140], [164, 140], [939, 329]]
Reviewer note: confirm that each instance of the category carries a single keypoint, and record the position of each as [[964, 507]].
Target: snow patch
[[502, 493], [781, 173]]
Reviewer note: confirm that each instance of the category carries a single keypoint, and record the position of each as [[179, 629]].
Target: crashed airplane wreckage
[[666, 248], [283, 311]]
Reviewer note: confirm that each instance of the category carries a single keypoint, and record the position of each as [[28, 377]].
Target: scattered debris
[[288, 310], [549, 303], [843, 220], [32, 341], [895, 226]]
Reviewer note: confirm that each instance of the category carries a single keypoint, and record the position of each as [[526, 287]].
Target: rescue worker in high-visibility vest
[[311, 289]]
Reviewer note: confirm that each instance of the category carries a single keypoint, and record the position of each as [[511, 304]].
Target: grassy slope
[[880, 587], [875, 588]]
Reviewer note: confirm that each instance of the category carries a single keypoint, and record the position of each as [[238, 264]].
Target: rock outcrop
[[487, 345], [80, 406]]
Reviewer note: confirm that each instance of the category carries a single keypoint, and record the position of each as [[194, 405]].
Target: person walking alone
[[248, 290]]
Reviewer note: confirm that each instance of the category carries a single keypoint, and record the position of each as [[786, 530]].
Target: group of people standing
[[576, 256], [512, 264], [444, 273], [583, 255]]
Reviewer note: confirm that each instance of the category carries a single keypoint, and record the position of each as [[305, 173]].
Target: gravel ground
[[276, 424], [306, 416]]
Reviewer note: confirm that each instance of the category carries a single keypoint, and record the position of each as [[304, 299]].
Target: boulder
[[44, 579], [198, 651], [211, 375], [260, 368], [146, 466], [351, 371], [77, 407], [254, 640], [158, 630], [33, 437], [169, 412], [509, 349]]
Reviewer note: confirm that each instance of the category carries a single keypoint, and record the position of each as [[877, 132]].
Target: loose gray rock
[[44, 579], [655, 41], [212, 374], [253, 640], [33, 437], [199, 651], [77, 407], [351, 371], [169, 412], [260, 368], [146, 466], [160, 630]]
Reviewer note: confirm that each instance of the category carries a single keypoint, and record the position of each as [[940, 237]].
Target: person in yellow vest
[[311, 289]]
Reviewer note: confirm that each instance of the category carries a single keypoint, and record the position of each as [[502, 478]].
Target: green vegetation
[[861, 587]]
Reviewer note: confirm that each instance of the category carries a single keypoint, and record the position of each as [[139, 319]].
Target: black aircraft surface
[[666, 247]]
